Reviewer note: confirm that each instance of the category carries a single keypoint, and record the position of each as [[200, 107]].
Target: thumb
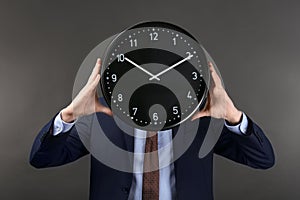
[[203, 113], [103, 109]]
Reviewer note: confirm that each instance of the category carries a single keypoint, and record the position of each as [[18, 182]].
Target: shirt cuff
[[241, 128], [60, 126]]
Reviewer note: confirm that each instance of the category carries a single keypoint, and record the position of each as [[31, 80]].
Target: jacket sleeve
[[252, 149], [50, 151]]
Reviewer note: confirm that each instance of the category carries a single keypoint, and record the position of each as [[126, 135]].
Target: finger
[[95, 82], [207, 103], [215, 77], [96, 70], [200, 114]]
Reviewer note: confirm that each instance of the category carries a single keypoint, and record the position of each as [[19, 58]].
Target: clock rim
[[203, 100]]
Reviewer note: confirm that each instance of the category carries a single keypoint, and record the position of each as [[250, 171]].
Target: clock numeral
[[174, 41], [155, 116], [195, 76], [189, 95], [121, 57], [114, 77], [134, 110], [153, 36], [189, 54], [175, 110], [133, 42], [120, 97]]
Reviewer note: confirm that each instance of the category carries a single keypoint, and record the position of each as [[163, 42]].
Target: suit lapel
[[184, 159]]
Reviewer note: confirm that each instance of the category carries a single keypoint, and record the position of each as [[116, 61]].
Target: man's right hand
[[86, 102]]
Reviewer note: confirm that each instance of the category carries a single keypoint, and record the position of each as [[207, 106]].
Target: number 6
[[155, 116]]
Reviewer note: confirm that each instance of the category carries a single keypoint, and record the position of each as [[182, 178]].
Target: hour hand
[[144, 70]]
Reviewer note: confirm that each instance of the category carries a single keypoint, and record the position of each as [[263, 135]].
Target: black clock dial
[[154, 78]]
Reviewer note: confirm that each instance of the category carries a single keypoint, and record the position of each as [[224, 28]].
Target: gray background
[[42, 44]]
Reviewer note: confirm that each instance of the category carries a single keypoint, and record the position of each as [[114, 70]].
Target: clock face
[[154, 76]]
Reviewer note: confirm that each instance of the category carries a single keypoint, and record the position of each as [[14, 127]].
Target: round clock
[[154, 76]]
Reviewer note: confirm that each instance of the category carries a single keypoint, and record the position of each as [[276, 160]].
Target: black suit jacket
[[193, 175]]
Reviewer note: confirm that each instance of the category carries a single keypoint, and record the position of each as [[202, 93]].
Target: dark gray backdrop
[[42, 44]]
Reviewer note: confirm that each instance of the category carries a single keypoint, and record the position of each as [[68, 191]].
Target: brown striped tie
[[151, 178]]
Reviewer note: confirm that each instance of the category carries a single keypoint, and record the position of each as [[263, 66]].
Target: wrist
[[234, 116], [67, 114]]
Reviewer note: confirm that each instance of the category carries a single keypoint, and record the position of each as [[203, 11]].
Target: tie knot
[[151, 133]]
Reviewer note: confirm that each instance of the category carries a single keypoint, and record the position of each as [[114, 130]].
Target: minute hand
[[171, 67]]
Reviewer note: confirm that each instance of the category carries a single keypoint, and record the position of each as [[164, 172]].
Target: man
[[189, 177]]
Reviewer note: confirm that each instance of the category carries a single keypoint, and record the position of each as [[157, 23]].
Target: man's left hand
[[219, 105]]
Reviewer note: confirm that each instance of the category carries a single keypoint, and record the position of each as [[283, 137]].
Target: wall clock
[[154, 76]]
